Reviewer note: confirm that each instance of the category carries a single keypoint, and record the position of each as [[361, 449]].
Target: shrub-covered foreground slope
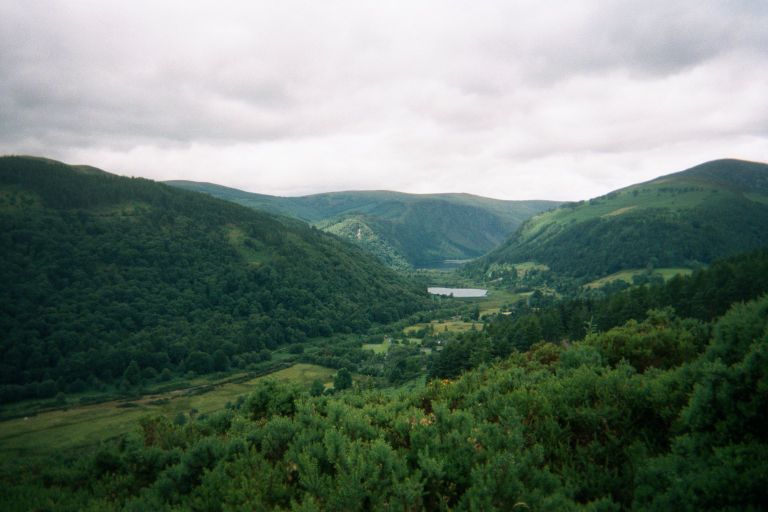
[[582, 427], [711, 211], [420, 230], [99, 271]]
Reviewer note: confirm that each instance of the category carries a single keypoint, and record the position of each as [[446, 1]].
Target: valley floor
[[79, 426]]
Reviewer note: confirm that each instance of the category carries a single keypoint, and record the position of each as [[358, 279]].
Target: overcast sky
[[507, 99]]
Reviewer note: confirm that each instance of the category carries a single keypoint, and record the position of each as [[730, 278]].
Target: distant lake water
[[458, 292]]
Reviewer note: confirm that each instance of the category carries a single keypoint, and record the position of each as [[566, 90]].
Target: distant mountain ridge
[[695, 216], [401, 229]]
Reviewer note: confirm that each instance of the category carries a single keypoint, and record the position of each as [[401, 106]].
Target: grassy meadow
[[627, 275], [497, 299], [378, 348], [86, 425], [439, 326]]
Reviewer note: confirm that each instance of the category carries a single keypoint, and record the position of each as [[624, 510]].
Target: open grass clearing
[[440, 326], [250, 250], [497, 299], [384, 346], [180, 383], [628, 275], [378, 348], [302, 373], [88, 425]]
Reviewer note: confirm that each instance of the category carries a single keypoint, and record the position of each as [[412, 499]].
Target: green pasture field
[[496, 299], [384, 346], [627, 275], [87, 425], [444, 326], [36, 406], [378, 348]]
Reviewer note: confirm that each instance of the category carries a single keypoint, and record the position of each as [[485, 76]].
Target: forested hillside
[[105, 276], [367, 233], [684, 219], [420, 230], [663, 414]]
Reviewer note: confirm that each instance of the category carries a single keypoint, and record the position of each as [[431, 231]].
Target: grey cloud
[[301, 95], [652, 37]]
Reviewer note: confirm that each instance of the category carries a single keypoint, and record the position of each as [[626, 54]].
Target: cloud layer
[[515, 100]]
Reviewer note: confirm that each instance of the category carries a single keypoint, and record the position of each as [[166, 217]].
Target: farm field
[[87, 425], [627, 275], [493, 302], [384, 346], [38, 406], [443, 326], [378, 348]]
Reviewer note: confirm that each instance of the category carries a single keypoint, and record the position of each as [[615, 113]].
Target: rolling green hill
[[103, 273], [401, 229], [684, 219]]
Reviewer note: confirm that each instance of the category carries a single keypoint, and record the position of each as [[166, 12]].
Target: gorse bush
[[647, 416]]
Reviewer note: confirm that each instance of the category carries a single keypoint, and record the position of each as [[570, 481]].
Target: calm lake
[[458, 292]]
